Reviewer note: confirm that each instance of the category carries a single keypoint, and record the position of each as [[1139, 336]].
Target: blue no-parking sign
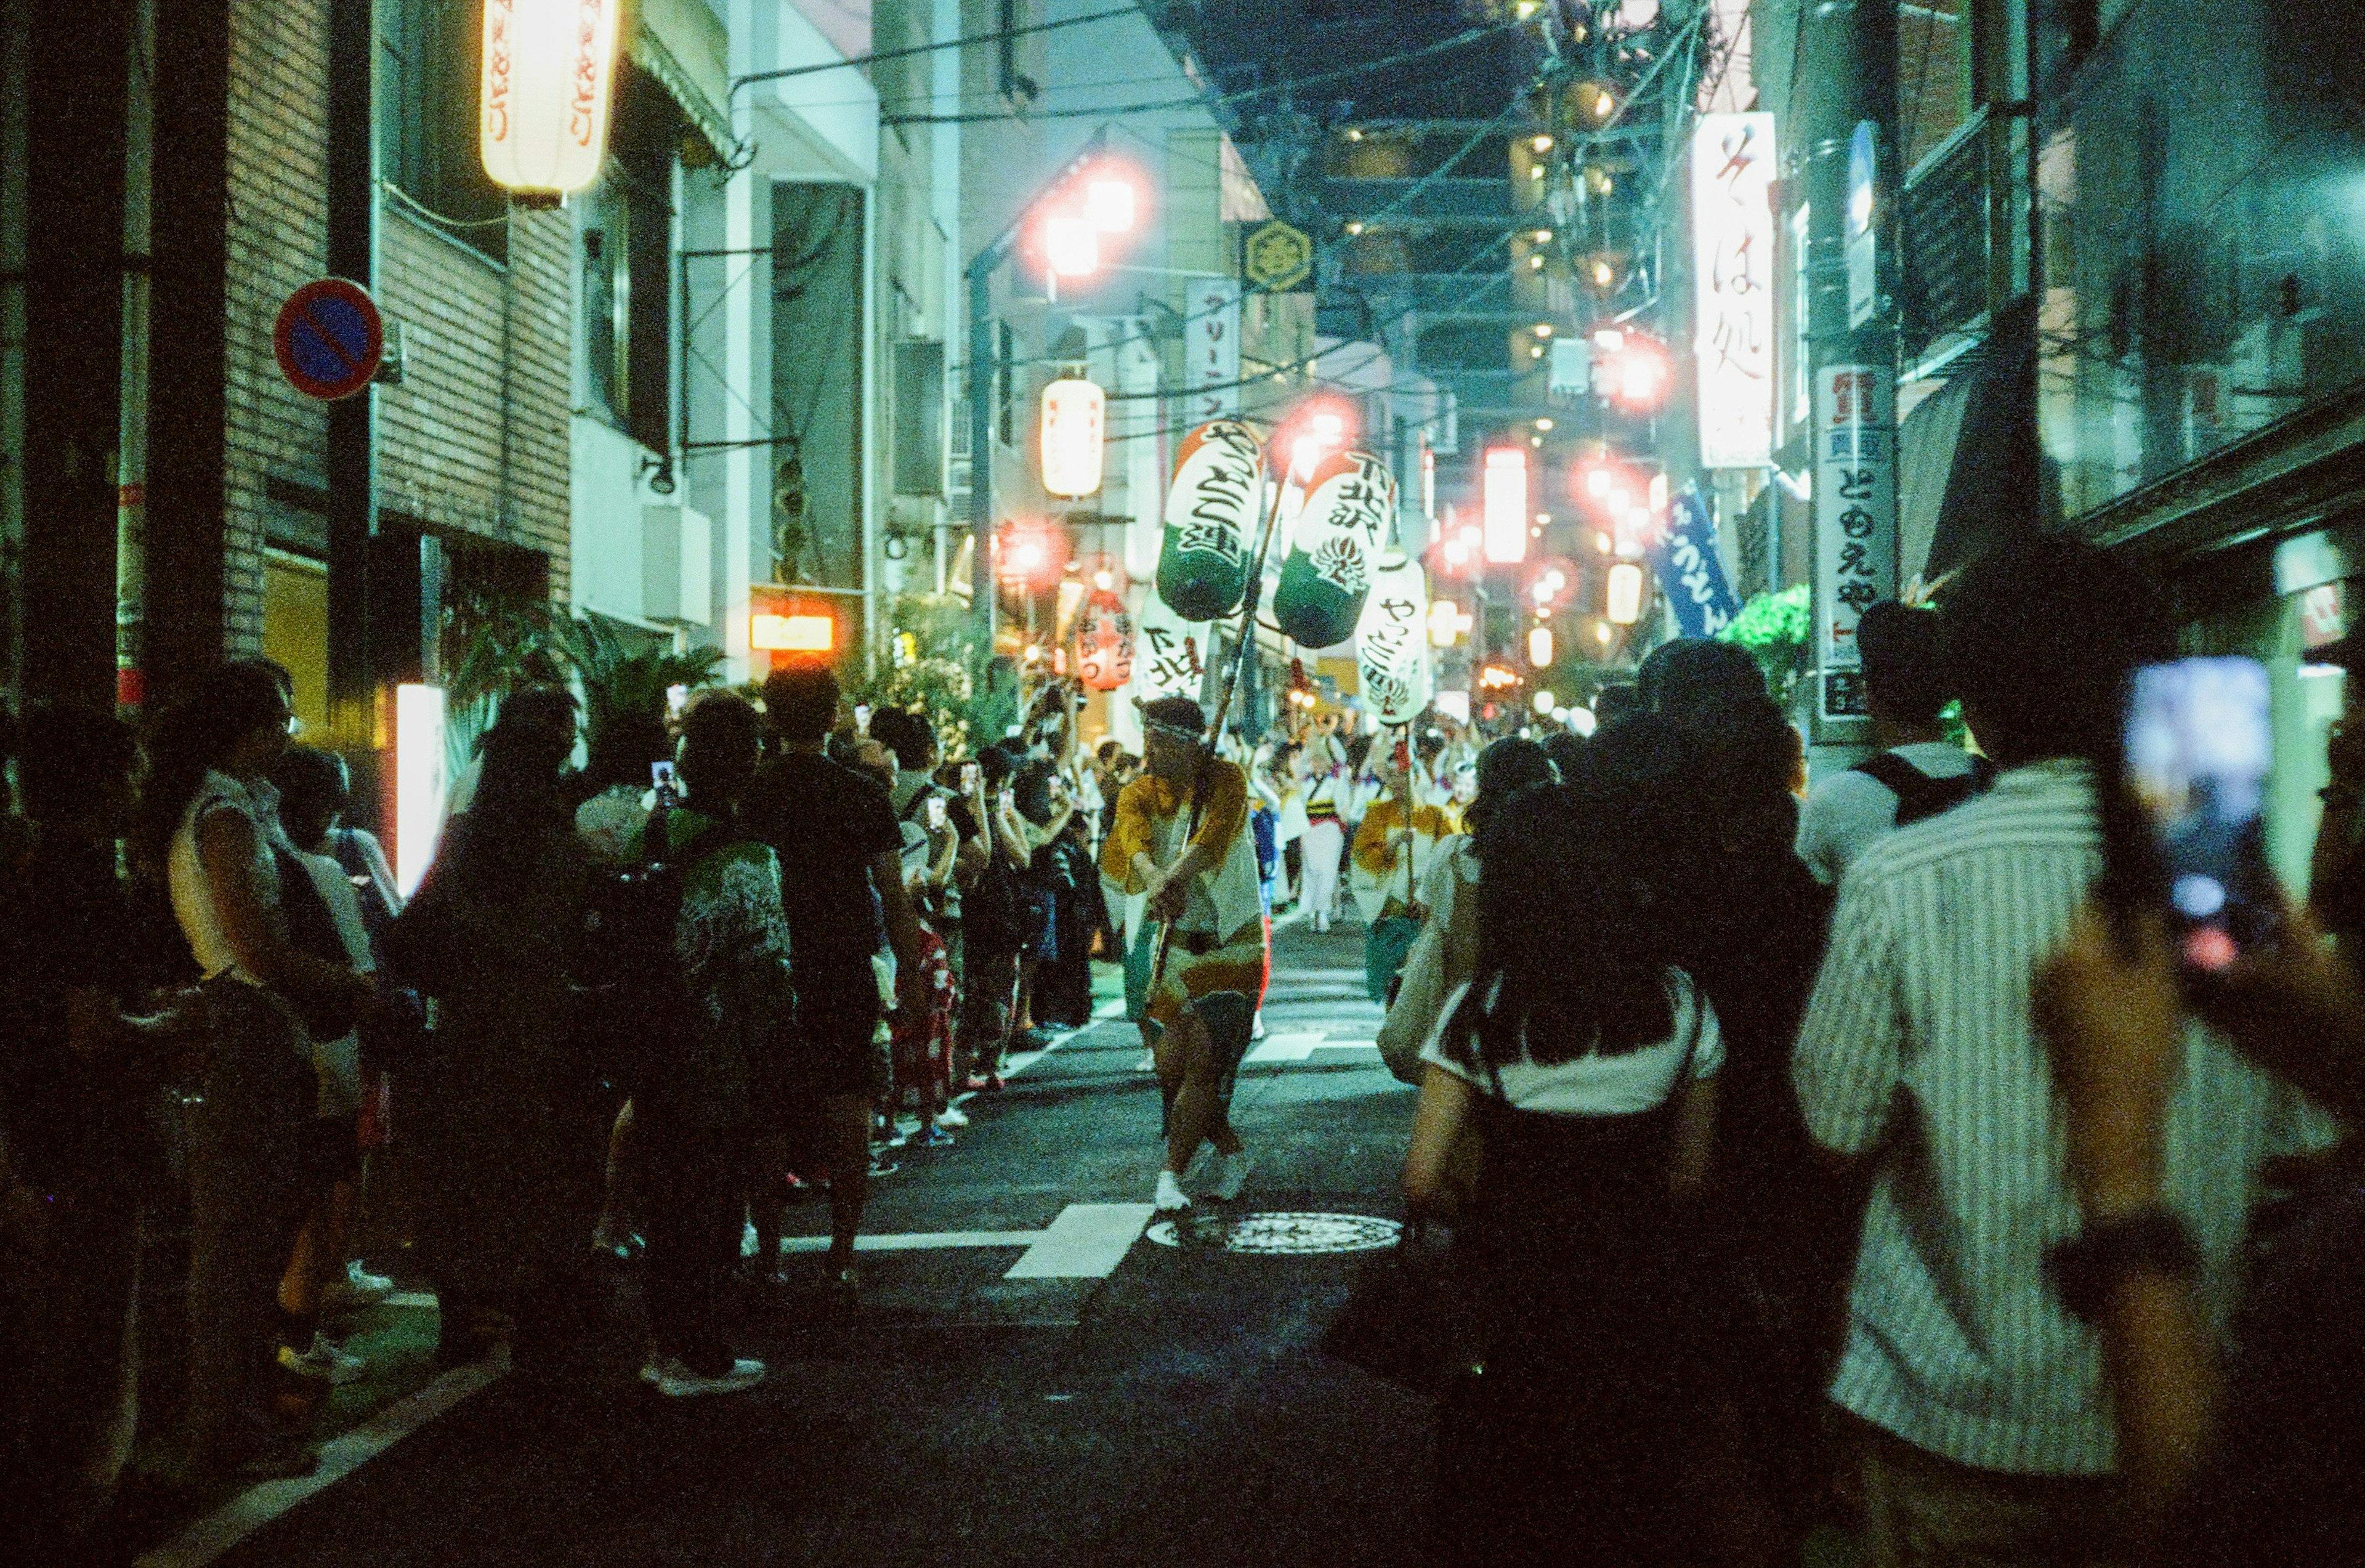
[[329, 339]]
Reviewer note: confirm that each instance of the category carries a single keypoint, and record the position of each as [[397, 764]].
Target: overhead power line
[[877, 55], [1217, 100]]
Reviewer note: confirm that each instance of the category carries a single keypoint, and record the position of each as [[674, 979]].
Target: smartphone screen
[[862, 718], [2198, 745], [969, 778], [661, 779], [936, 814]]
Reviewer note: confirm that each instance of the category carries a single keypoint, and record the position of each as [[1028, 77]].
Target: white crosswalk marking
[[1301, 1047], [1285, 1047], [1086, 1242]]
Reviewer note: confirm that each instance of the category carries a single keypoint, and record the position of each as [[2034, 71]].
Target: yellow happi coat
[[1220, 939]]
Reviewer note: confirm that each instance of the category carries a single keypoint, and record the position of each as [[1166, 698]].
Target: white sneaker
[[359, 1288], [326, 1360], [1226, 1174], [952, 1117], [676, 1381], [1170, 1198]]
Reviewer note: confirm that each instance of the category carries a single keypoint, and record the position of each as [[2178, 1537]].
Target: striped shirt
[[1918, 1044]]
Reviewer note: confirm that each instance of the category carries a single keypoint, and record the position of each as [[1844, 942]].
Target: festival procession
[[1124, 783]]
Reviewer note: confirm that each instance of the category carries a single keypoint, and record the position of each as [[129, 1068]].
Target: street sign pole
[[352, 458], [1850, 49]]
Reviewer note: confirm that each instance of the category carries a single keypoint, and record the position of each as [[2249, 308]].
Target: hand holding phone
[[663, 780], [2199, 742]]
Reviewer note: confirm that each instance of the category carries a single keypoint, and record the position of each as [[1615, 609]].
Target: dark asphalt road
[[1173, 1411]]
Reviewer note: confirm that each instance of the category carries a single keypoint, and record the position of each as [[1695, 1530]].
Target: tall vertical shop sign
[[1211, 351], [1732, 266], [1855, 523]]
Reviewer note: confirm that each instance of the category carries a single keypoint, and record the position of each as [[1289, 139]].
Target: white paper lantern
[[1074, 411], [549, 75], [1170, 654], [1392, 640]]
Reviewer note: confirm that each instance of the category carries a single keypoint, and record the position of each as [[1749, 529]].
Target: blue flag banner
[[1691, 572]]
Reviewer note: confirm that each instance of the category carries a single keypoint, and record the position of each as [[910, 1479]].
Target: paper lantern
[[1347, 519], [1211, 508], [1505, 484], [1392, 640], [1105, 641], [1074, 412], [1170, 654], [549, 74]]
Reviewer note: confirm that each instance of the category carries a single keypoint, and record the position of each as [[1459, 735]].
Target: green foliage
[[933, 662], [625, 674], [496, 644], [1776, 629]]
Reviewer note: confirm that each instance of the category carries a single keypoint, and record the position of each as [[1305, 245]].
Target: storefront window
[[2204, 258]]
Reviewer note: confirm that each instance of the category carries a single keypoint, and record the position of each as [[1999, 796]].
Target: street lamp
[[1069, 238]]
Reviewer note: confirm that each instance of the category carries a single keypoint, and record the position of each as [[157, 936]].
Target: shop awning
[[2000, 484], [707, 119], [1925, 460]]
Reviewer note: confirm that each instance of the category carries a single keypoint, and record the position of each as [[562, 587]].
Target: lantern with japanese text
[[1392, 640], [549, 74], [1170, 656], [1203, 560], [1074, 412], [1349, 518], [1105, 641]]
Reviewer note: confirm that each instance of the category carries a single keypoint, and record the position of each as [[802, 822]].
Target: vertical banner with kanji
[[1211, 351], [1684, 554], [1855, 523]]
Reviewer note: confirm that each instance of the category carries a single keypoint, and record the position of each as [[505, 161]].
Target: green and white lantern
[[1348, 519], [1211, 513]]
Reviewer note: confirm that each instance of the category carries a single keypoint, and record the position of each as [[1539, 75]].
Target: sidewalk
[[163, 1522]]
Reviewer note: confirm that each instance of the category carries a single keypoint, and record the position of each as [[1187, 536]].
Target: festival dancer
[[1196, 870]]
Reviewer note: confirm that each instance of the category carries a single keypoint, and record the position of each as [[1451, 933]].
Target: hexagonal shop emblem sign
[[1277, 256]]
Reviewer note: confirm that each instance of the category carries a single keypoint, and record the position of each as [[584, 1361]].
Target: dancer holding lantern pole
[[1181, 839]]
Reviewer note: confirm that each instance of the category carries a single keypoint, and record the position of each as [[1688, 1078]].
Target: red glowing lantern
[[1105, 641]]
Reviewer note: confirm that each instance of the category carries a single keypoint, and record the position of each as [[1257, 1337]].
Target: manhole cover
[[1277, 1235]]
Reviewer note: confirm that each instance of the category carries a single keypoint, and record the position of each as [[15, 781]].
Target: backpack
[[1919, 795], [636, 1005]]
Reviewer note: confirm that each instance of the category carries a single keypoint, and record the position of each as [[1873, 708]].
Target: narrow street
[[1029, 1379]]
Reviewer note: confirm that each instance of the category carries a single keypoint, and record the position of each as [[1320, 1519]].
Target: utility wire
[[1217, 100], [876, 55]]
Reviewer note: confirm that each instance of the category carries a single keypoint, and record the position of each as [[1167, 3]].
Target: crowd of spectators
[[1864, 1157], [752, 950]]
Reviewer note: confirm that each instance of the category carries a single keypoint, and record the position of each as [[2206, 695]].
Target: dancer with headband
[[1198, 871]]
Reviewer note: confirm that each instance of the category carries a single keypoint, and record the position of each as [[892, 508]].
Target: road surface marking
[[223, 1528], [1086, 1242], [1285, 1047], [920, 1240]]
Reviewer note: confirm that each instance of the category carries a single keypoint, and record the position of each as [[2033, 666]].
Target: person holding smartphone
[[923, 1039], [1985, 1428]]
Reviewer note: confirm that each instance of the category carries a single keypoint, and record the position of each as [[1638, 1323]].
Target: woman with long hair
[[1445, 957], [211, 825], [1751, 922], [1586, 1061], [509, 1125]]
